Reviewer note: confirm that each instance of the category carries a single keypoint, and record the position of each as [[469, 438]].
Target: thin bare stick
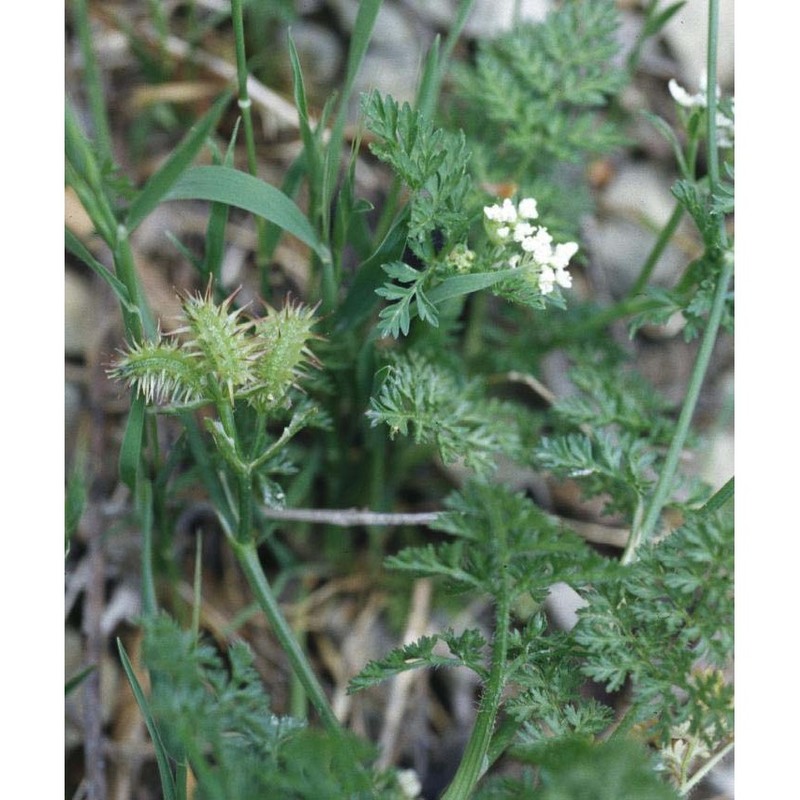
[[351, 517], [348, 517]]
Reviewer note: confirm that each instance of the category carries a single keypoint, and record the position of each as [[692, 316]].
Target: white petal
[[682, 97], [527, 208], [562, 254], [523, 230], [563, 278]]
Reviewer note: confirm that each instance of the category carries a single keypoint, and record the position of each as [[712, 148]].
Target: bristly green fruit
[[282, 342], [218, 356]]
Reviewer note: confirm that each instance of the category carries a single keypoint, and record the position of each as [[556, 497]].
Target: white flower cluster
[[700, 100], [510, 225]]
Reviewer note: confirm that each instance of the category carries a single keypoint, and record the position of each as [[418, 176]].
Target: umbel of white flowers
[[532, 245]]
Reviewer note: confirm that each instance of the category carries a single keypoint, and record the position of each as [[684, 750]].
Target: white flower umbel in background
[[527, 246], [700, 100]]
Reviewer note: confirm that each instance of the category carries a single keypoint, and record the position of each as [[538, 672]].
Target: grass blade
[[359, 42], [236, 188], [75, 246], [162, 181], [76, 680], [162, 757], [129, 456]]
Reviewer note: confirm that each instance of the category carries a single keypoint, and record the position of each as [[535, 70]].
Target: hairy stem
[[475, 760]]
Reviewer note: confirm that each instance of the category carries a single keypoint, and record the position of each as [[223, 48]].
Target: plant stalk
[[245, 105], [247, 556], [663, 240], [475, 760], [663, 487]]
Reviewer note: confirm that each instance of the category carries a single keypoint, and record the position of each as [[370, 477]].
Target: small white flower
[[503, 232], [523, 230], [547, 278], [683, 98], [508, 212], [563, 278], [409, 783], [513, 262], [540, 245], [562, 253], [724, 130], [700, 100], [527, 208]]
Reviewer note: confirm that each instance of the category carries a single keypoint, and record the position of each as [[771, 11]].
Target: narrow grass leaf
[[437, 61], [236, 188], [290, 186], [186, 252], [79, 250], [76, 680], [162, 757], [655, 22], [162, 181], [359, 42], [217, 222], [429, 82], [130, 453], [310, 144]]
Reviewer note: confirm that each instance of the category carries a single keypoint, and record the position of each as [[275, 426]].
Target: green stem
[[245, 105], [475, 760], [663, 240], [719, 499], [144, 490], [626, 307], [711, 94], [247, 556], [141, 325], [245, 494], [663, 487]]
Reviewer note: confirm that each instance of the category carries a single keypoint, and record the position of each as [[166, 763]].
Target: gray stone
[[687, 36], [393, 61], [635, 206], [80, 325], [492, 17]]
